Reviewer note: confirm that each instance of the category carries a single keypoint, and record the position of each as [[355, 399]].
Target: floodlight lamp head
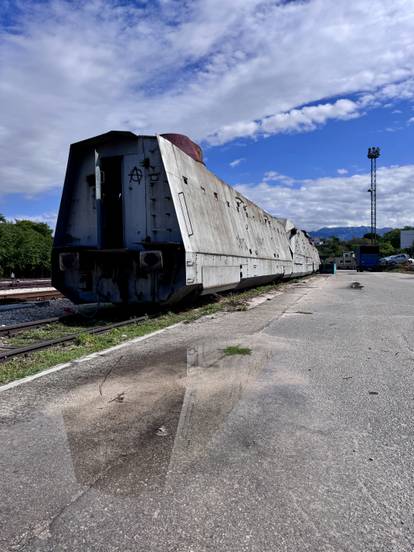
[[373, 153]]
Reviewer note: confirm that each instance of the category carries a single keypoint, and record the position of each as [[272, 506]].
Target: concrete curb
[[80, 360]]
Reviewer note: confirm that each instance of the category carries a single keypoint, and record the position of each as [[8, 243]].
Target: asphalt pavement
[[306, 444]]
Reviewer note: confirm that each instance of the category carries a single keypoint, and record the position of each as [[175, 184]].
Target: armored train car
[[142, 220]]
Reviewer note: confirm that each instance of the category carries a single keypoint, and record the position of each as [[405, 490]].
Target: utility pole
[[373, 154]]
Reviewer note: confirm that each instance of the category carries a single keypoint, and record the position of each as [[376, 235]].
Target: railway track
[[26, 283], [15, 295], [15, 328], [12, 329]]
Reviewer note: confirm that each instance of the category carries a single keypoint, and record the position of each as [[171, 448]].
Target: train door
[[111, 203]]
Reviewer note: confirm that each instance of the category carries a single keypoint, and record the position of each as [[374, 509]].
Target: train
[[143, 221]]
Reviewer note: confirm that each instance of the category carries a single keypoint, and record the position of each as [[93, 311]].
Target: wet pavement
[[306, 444]]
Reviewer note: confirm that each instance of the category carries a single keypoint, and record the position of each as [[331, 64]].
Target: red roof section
[[186, 145]]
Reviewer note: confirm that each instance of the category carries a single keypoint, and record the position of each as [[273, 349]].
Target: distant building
[[346, 261], [318, 241], [407, 239]]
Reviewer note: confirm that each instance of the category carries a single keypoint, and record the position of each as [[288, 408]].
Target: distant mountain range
[[346, 233]]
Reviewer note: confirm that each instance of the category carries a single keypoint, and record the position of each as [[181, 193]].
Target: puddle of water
[[182, 414], [117, 446]]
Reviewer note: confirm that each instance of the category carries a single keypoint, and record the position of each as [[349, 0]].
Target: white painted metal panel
[[135, 205], [220, 276], [81, 227], [220, 226], [223, 221]]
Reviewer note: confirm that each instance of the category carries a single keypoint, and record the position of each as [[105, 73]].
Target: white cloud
[[274, 176], [236, 162], [340, 200], [342, 171], [410, 121], [208, 68], [393, 129], [297, 120], [308, 118]]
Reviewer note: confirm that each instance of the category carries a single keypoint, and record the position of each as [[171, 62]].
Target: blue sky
[[284, 98]]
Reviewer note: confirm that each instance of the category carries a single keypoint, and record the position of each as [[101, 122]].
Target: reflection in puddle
[[172, 407]]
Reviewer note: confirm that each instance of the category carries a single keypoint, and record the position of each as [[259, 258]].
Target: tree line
[[389, 244], [25, 248]]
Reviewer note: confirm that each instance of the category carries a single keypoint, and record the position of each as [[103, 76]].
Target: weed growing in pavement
[[237, 350]]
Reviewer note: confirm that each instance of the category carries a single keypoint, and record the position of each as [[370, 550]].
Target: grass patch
[[237, 350], [85, 344]]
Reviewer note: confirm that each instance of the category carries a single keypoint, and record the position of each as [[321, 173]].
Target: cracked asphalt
[[306, 444]]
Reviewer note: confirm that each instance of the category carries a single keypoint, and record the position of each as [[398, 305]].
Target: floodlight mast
[[373, 154]]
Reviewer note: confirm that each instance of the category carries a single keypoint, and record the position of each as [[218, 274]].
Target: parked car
[[393, 260]]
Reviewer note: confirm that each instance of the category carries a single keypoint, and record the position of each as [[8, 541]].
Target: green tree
[[386, 249], [25, 248], [393, 237], [332, 248]]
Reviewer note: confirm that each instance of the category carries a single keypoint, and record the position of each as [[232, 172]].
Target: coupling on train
[[142, 220]]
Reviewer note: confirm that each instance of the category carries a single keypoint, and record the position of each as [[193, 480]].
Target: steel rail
[[7, 285], [14, 328], [51, 342]]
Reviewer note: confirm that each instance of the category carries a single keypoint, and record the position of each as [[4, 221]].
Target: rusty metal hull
[[141, 221]]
